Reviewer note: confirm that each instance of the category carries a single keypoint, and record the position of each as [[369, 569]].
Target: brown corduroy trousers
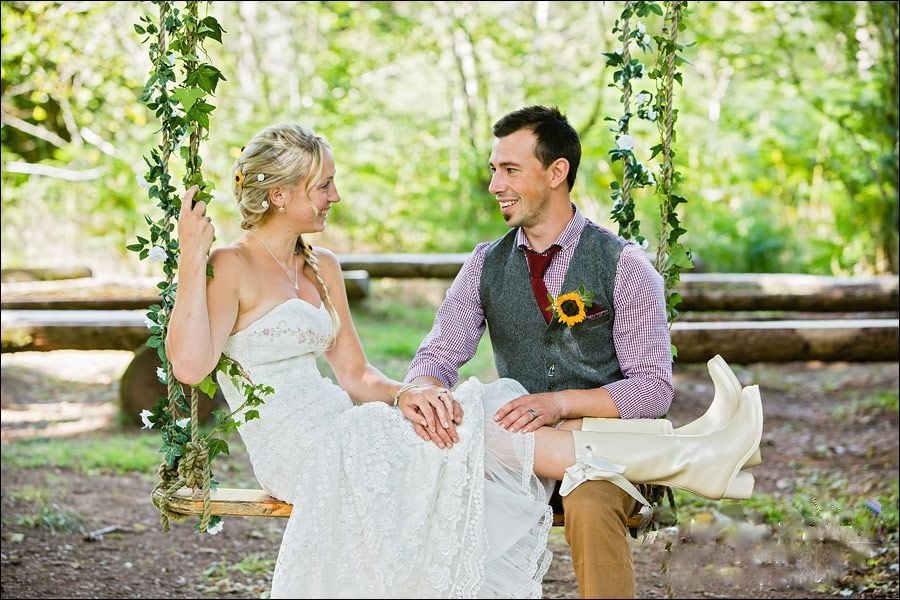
[[596, 513]]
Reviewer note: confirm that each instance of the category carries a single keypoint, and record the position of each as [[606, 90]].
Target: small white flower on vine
[[650, 178], [264, 204], [141, 181], [216, 528], [625, 142], [161, 374], [642, 98], [145, 419], [645, 243], [149, 322], [642, 28], [651, 114], [183, 423], [260, 177], [157, 254]]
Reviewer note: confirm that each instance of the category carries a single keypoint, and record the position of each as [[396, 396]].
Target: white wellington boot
[[719, 413], [724, 405], [708, 465]]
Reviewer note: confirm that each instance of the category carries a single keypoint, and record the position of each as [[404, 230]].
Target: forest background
[[787, 123]]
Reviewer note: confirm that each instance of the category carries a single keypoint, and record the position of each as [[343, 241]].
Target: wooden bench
[[240, 502]]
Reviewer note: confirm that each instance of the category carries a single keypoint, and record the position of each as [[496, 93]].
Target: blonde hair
[[281, 155]]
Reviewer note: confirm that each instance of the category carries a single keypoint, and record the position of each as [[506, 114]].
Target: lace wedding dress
[[378, 512]]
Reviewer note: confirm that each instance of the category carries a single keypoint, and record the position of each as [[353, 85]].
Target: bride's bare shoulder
[[233, 258]]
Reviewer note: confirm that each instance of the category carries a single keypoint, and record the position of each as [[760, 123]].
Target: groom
[[611, 359]]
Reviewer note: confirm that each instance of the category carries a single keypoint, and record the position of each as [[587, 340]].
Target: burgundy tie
[[537, 266]]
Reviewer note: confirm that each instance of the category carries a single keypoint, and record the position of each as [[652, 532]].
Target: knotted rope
[[191, 470]]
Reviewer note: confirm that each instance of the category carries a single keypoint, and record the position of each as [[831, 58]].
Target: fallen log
[[406, 266], [112, 294], [26, 330], [738, 342], [855, 340], [43, 273], [700, 292], [787, 291]]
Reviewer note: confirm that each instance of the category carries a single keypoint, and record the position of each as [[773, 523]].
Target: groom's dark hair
[[555, 137]]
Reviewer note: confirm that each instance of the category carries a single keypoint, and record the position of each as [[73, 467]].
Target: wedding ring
[[534, 413]]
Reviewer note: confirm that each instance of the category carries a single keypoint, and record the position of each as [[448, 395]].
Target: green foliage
[[251, 577], [882, 402], [116, 454], [791, 105], [874, 517], [51, 517]]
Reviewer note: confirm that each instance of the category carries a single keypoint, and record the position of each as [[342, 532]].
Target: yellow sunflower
[[239, 179], [570, 308]]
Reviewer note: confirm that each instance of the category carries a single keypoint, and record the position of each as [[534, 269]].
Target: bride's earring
[[281, 209]]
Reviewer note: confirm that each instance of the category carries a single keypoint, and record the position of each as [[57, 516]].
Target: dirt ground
[[821, 440]]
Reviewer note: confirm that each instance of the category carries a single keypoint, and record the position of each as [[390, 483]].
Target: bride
[[379, 511]]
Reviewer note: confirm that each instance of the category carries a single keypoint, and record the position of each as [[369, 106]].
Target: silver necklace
[[296, 278]]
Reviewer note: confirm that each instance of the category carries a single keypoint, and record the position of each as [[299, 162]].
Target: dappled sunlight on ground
[[59, 393]]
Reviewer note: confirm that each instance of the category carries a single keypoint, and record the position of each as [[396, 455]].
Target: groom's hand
[[529, 412]]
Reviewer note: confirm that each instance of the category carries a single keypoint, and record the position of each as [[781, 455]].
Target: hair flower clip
[[261, 177], [264, 204], [571, 308], [239, 179]]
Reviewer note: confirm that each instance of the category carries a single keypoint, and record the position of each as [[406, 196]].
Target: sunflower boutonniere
[[571, 308]]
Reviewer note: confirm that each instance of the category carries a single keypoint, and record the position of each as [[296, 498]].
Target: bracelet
[[402, 391]]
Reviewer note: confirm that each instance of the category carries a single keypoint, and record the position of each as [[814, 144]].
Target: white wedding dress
[[378, 512]]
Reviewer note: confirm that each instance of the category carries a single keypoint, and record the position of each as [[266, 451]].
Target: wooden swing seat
[[227, 502], [240, 502]]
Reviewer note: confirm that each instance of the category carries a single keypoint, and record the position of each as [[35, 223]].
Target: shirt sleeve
[[642, 340], [458, 326]]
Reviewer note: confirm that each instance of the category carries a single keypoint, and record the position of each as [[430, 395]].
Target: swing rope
[[192, 468], [670, 256]]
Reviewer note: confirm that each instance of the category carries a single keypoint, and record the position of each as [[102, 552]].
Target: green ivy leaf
[[187, 97], [217, 446], [209, 386]]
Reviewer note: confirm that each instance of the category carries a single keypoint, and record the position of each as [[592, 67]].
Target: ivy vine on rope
[[671, 256], [176, 39], [655, 108]]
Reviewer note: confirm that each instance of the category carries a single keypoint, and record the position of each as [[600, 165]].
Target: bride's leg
[[554, 452], [570, 424]]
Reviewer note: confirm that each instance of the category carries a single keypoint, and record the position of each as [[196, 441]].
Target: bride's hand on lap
[[434, 414]]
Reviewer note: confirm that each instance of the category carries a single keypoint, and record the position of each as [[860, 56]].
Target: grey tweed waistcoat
[[551, 357]]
